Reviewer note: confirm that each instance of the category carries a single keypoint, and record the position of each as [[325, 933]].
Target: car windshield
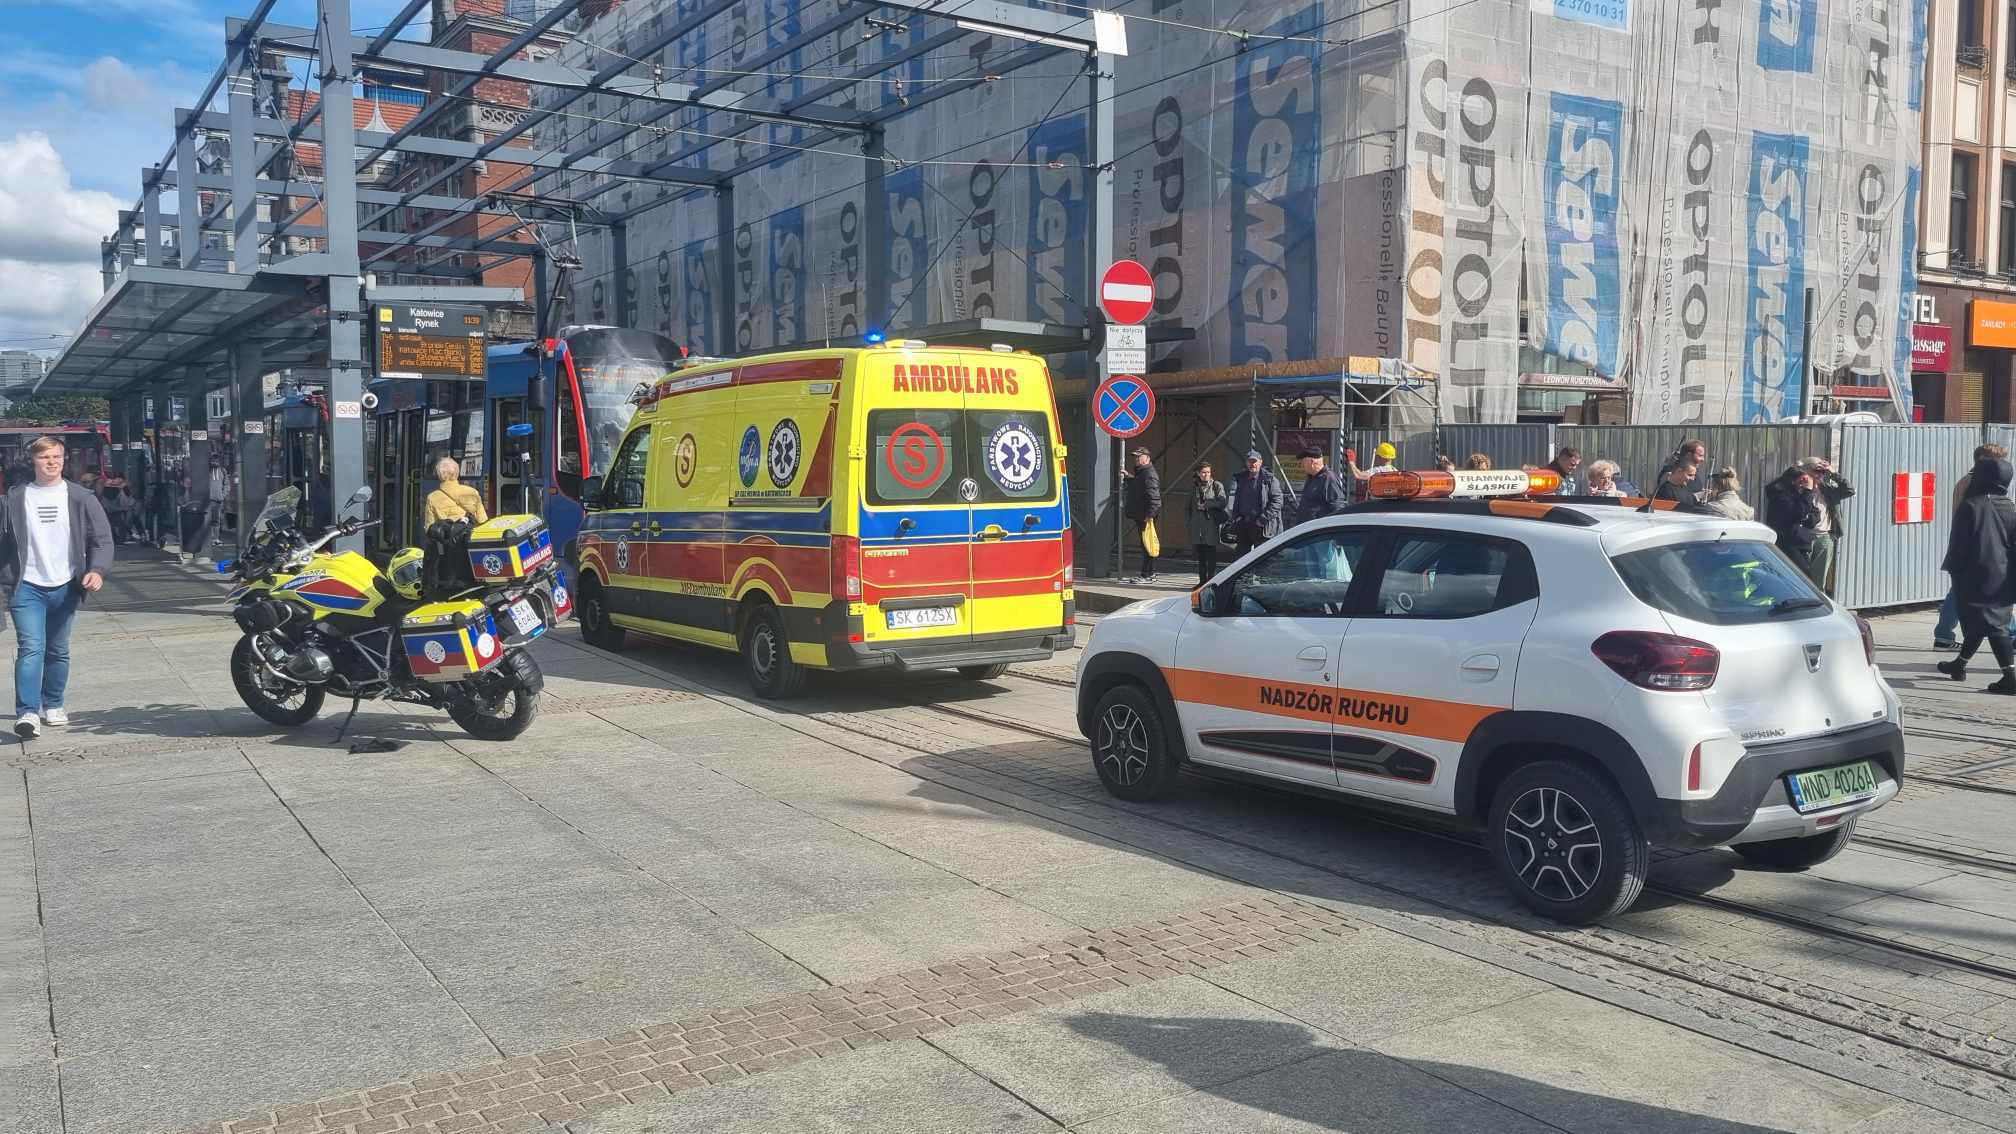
[[1721, 582], [280, 510]]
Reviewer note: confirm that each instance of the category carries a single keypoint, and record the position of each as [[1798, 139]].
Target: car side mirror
[[591, 494], [1204, 601]]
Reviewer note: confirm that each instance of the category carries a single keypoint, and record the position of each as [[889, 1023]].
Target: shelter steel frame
[[313, 304]]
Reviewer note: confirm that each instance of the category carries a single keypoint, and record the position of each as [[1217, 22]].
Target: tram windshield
[[606, 364]]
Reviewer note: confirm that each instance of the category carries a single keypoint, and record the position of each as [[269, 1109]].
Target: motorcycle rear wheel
[[499, 717], [281, 703]]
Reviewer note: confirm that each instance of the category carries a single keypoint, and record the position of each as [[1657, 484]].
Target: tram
[[87, 446], [554, 417]]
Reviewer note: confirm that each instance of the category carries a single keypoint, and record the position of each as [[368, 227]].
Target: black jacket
[[1984, 536], [1322, 495], [1141, 498], [90, 534], [1256, 502]]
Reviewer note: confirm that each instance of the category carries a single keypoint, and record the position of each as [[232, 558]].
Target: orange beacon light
[[1436, 484]]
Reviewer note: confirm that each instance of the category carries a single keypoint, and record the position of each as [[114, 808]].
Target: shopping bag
[[1150, 541]]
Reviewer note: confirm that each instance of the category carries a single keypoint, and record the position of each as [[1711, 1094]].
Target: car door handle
[[1480, 667], [993, 531], [637, 528], [656, 527], [1313, 657]]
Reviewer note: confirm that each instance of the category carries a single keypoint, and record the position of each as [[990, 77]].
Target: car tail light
[[847, 568], [1666, 662], [1694, 769], [1868, 639]]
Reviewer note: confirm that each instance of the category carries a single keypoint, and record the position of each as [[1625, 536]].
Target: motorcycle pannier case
[[448, 641], [509, 548]]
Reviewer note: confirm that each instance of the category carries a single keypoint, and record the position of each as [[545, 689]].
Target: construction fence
[[1890, 548]]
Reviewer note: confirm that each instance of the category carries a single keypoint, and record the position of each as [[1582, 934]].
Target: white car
[[1581, 680]]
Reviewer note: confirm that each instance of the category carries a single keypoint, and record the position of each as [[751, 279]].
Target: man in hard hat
[[1385, 454]]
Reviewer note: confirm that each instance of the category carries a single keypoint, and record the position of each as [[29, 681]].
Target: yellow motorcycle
[[317, 622]]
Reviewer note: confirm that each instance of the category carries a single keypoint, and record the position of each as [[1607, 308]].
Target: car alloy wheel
[[1122, 744], [1553, 845]]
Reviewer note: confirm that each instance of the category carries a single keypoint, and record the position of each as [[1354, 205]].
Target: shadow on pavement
[[1334, 1088]]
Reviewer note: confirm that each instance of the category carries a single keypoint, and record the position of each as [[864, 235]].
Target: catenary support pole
[[248, 426], [1097, 466], [346, 331]]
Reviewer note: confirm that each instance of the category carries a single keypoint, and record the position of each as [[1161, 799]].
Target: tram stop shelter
[[227, 269]]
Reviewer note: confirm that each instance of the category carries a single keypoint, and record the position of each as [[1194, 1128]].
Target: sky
[[87, 90]]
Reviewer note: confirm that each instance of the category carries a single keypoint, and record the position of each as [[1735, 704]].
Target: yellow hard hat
[[1386, 451]]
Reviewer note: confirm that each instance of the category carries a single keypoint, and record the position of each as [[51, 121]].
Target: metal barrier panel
[[1508, 446], [1882, 562], [2003, 435], [1758, 453]]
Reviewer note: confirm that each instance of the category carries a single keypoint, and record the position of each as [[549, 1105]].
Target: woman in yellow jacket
[[453, 500]]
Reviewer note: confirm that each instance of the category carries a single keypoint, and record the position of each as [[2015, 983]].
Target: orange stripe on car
[[1378, 712]]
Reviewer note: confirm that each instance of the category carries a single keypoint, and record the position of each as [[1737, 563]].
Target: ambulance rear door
[[1020, 525], [916, 503]]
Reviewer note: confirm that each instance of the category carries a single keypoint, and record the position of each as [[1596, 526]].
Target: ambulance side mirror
[[591, 494]]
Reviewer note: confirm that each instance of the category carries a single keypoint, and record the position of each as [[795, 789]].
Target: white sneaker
[[27, 726], [55, 718]]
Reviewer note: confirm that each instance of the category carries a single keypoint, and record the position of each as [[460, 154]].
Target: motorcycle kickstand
[[354, 702]]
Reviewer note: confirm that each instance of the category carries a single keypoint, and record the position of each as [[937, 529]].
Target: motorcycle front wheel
[[501, 709], [284, 703]]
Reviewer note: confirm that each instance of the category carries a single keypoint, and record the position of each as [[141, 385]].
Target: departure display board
[[431, 340]]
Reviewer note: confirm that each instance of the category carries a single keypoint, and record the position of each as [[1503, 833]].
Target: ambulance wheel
[[983, 672], [592, 610], [766, 655], [1567, 844], [1130, 750], [1798, 853], [284, 703]]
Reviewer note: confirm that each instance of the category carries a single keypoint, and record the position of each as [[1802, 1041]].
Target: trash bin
[[192, 523]]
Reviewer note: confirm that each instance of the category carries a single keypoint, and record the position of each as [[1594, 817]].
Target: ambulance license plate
[[922, 617], [1831, 787], [523, 617]]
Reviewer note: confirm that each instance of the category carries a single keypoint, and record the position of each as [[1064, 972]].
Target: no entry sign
[[1126, 292], [1123, 405]]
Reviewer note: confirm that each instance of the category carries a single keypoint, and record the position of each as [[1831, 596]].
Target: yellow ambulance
[[899, 506]]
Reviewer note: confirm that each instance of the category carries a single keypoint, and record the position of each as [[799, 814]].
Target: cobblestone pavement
[[906, 907]]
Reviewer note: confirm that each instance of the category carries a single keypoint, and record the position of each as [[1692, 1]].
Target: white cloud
[[110, 85], [43, 218], [49, 234]]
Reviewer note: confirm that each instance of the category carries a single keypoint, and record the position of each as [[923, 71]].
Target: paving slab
[[1373, 984], [1121, 1050], [550, 968], [900, 1088], [1569, 1061]]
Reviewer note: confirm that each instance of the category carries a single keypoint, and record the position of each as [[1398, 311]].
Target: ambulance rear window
[[925, 456]]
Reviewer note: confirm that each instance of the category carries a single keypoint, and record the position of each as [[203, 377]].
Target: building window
[[2007, 263], [1960, 213], [1970, 23]]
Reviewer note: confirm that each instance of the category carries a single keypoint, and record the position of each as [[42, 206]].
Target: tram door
[[400, 446], [511, 474]]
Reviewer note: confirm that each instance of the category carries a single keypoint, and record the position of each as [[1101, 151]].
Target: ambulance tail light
[[847, 568], [1868, 639], [1665, 662], [1437, 484]]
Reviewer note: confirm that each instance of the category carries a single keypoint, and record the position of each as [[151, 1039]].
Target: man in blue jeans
[[55, 546]]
